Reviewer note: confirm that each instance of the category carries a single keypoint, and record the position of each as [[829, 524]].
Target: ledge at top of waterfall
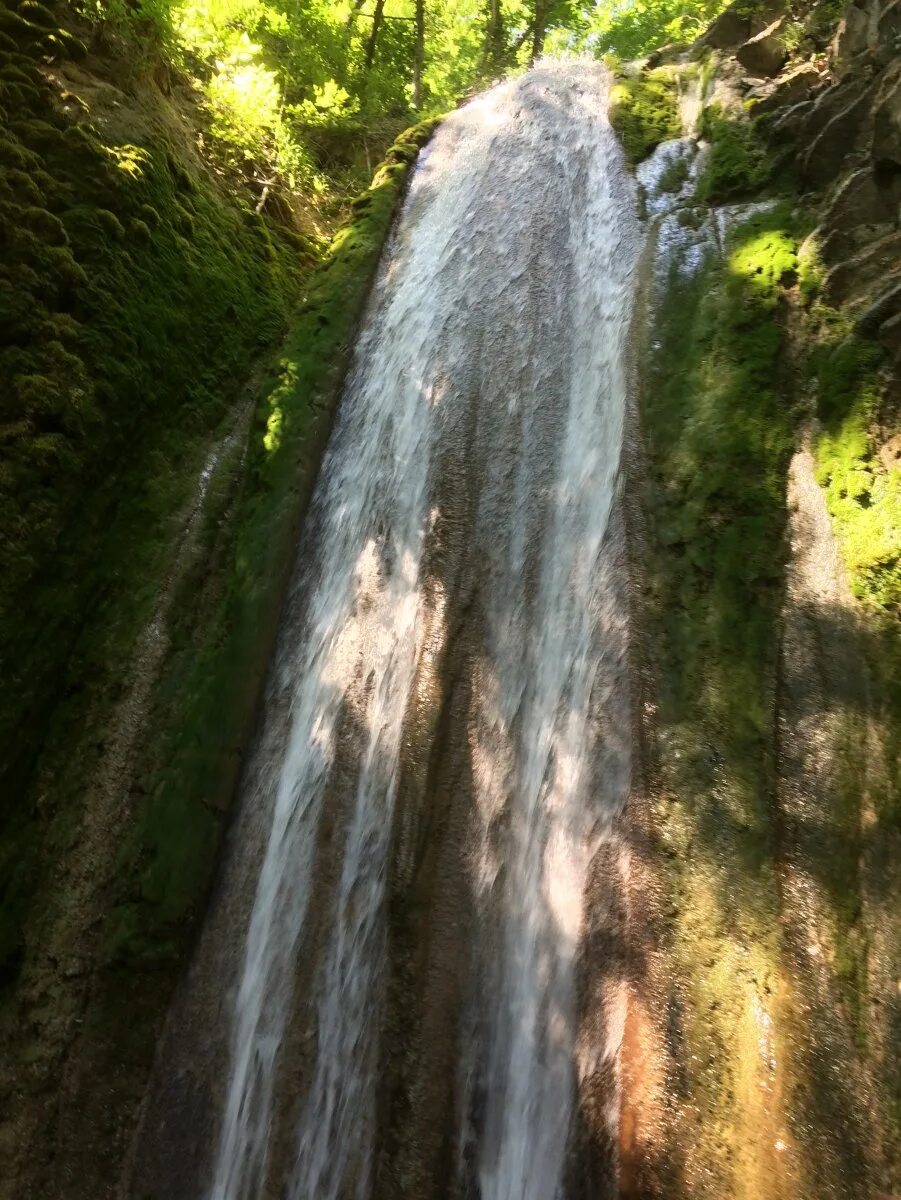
[[470, 485]]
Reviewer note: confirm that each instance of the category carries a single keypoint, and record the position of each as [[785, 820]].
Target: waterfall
[[483, 418]]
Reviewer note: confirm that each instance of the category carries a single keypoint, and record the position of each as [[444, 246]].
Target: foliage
[[301, 95], [274, 73], [631, 28], [644, 112]]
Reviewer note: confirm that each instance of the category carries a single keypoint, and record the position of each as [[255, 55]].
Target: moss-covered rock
[[718, 432], [644, 112], [116, 341], [738, 164], [38, 14], [863, 492]]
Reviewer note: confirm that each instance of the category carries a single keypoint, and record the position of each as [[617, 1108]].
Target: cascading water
[[499, 324]]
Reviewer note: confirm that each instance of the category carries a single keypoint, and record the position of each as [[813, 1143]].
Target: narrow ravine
[[450, 595], [503, 307]]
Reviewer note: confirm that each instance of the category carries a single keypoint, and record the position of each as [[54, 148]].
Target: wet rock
[[739, 22], [831, 102], [836, 141], [888, 35], [785, 126], [790, 90], [858, 199], [880, 311], [666, 54], [844, 243], [840, 244], [890, 335], [764, 54], [877, 263], [887, 120], [835, 245]]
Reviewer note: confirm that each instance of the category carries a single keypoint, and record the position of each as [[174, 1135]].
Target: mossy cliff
[[152, 488], [767, 503], [717, 435], [134, 291]]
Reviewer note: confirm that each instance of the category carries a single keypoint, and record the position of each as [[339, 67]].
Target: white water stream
[[508, 292]]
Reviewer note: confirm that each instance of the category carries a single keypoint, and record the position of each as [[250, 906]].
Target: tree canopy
[[306, 93]]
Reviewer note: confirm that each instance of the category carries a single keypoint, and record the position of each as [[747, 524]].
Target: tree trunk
[[494, 36], [355, 8], [418, 54], [374, 34], [539, 29]]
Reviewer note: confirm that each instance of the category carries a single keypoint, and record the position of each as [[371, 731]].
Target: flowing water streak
[[362, 621], [570, 760], [461, 260]]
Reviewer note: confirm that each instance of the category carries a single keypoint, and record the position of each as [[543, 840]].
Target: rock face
[[855, 34], [889, 336], [729, 31], [867, 271], [859, 200], [764, 54], [831, 102], [841, 118], [887, 118], [740, 22], [841, 134], [831, 113], [880, 312], [791, 89], [888, 34]]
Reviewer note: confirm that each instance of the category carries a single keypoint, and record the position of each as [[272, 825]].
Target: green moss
[[149, 215], [13, 73], [21, 186], [46, 226], [109, 223], [21, 31], [863, 495], [139, 230], [644, 112], [718, 435], [737, 164], [112, 352], [674, 176], [723, 465], [15, 156], [68, 44], [855, 404]]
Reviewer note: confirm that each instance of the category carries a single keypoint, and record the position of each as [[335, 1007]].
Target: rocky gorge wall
[[761, 1043], [759, 1051]]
